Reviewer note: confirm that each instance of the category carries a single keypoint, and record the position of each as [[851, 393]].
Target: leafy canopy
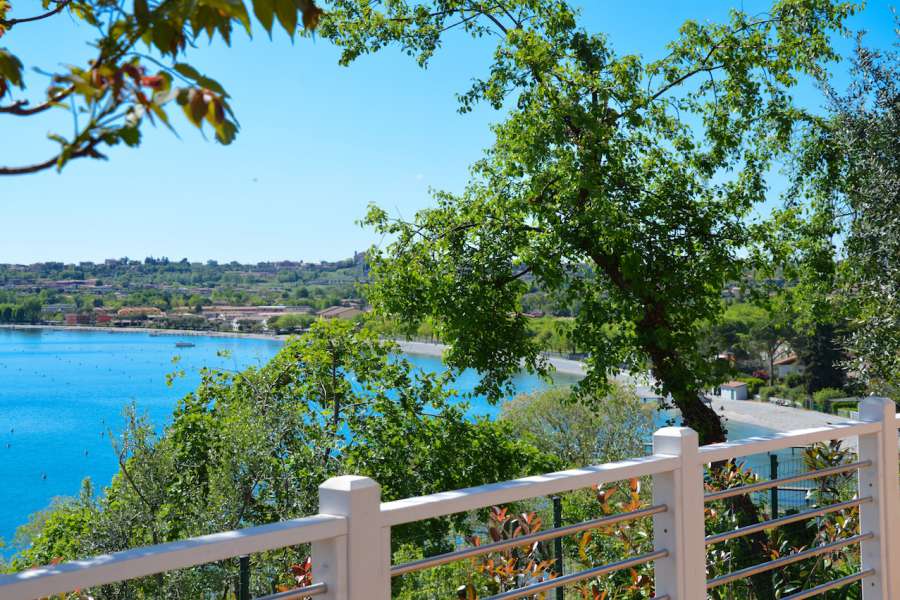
[[621, 183], [846, 240], [138, 69]]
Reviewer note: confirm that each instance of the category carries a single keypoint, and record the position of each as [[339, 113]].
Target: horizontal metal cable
[[787, 560], [525, 540], [767, 485], [831, 585], [315, 589], [773, 523], [551, 584]]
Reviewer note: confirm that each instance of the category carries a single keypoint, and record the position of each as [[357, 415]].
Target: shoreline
[[749, 412], [168, 332], [563, 366]]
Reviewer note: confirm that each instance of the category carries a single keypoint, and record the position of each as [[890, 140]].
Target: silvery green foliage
[[849, 168], [867, 127]]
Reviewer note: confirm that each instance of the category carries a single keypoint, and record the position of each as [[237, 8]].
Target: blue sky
[[318, 143]]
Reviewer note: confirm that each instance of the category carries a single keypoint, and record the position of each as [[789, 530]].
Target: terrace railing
[[350, 538]]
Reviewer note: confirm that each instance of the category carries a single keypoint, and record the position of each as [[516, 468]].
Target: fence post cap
[[875, 407], [674, 440], [349, 483], [675, 432]]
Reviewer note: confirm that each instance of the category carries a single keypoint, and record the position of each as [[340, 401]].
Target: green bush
[[291, 322], [753, 384], [767, 391], [822, 399], [826, 394], [844, 407], [794, 379], [796, 393]]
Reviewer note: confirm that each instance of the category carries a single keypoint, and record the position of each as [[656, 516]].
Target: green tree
[[617, 427], [115, 93], [823, 357], [252, 448], [848, 169], [619, 182], [292, 322]]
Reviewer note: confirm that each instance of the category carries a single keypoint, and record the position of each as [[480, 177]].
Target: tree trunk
[[703, 419], [669, 369]]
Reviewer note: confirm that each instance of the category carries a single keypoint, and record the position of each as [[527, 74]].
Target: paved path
[[760, 414]]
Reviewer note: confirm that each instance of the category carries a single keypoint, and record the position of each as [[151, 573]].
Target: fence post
[[355, 566], [773, 494], [557, 544], [882, 516], [682, 528], [244, 577]]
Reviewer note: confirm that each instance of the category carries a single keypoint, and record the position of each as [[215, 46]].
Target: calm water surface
[[61, 392]]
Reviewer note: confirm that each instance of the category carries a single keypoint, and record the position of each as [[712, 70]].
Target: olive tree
[[844, 214]]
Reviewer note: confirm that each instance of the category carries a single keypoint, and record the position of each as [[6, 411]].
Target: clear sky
[[318, 142]]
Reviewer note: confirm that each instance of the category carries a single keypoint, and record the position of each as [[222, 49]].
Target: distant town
[[269, 297]]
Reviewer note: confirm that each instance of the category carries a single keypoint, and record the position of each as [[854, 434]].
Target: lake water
[[62, 391]]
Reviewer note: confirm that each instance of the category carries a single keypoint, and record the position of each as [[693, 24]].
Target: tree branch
[[60, 6], [20, 107], [90, 150]]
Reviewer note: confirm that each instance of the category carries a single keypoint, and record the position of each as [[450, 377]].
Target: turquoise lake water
[[61, 391]]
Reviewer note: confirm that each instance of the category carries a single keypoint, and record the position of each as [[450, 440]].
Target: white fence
[[351, 536]]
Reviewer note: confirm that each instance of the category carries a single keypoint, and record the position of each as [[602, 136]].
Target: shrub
[[822, 399], [794, 379], [844, 407], [753, 384], [767, 391], [796, 393]]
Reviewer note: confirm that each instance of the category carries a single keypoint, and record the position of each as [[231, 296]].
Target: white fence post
[[682, 528], [882, 515], [355, 566]]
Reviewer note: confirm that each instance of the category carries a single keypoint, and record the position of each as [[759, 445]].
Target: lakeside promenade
[[760, 414]]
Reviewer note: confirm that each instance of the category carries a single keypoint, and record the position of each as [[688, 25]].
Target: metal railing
[[772, 483], [351, 537], [550, 584], [307, 591], [525, 540]]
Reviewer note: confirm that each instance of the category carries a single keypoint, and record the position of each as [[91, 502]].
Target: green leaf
[[226, 132], [190, 72], [187, 70], [265, 12], [287, 15], [141, 11], [11, 68], [130, 135], [163, 35]]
